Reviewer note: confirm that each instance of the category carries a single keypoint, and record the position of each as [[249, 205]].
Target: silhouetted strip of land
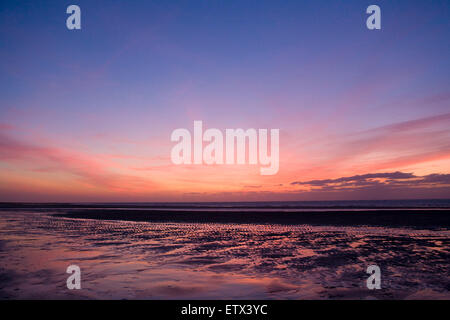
[[394, 204], [386, 218]]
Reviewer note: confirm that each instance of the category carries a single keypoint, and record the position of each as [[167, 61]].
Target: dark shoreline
[[420, 219], [333, 204]]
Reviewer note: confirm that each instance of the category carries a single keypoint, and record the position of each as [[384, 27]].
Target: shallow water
[[131, 260]]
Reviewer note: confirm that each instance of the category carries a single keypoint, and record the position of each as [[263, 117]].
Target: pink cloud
[[85, 167]]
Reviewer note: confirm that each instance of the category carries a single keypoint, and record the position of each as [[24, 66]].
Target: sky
[[87, 115]]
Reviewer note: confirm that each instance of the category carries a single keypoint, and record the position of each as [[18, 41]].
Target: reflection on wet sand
[[141, 260]]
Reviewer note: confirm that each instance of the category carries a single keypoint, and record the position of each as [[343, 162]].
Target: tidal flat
[[182, 260]]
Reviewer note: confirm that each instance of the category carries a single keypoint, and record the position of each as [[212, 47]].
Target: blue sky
[[139, 69]]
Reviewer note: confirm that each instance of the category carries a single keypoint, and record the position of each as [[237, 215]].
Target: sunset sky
[[86, 115]]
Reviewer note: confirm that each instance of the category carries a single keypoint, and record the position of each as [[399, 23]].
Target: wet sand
[[167, 260], [413, 218]]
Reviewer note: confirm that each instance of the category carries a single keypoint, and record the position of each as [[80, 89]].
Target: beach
[[415, 218], [125, 254]]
